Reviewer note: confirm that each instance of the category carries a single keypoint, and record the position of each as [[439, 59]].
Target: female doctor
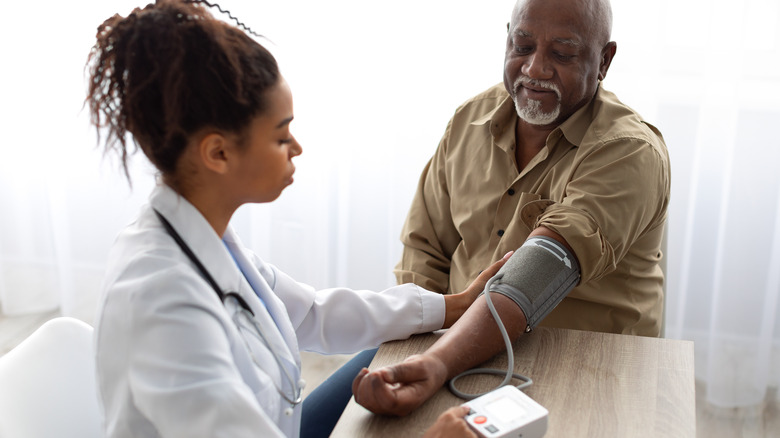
[[196, 336]]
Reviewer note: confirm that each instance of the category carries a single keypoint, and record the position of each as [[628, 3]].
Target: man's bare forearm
[[475, 337]]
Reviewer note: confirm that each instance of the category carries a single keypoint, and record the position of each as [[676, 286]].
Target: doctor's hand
[[451, 424], [401, 388], [456, 304]]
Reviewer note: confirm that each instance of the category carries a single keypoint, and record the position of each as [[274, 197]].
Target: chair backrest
[[47, 384]]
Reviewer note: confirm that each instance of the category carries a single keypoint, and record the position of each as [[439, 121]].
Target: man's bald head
[[595, 14]]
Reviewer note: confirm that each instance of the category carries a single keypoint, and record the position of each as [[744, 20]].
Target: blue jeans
[[324, 405]]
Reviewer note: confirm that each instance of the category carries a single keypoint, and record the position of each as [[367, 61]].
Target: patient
[[550, 164]]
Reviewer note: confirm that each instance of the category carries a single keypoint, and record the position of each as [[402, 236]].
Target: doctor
[[196, 336]]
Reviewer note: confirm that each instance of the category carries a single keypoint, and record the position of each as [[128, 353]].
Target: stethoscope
[[247, 324]]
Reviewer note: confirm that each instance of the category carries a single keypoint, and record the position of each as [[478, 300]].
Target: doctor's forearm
[[456, 306]]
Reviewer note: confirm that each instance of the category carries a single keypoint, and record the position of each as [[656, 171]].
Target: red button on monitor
[[481, 419]]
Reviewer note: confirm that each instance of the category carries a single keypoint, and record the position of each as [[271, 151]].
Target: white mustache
[[525, 80]]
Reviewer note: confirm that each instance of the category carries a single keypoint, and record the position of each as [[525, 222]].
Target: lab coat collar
[[204, 241], [198, 234]]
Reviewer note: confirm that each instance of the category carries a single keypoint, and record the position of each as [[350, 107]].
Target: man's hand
[[401, 388], [451, 424]]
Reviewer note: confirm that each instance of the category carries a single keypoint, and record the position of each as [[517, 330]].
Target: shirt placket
[[504, 139]]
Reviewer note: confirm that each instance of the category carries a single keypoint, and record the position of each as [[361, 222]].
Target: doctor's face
[[265, 165]]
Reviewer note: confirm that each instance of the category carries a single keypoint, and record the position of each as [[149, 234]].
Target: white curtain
[[374, 84]]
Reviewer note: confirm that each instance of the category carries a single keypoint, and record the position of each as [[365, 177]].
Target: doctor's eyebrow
[[285, 122]]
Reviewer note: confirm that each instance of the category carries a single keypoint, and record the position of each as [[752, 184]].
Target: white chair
[[47, 384]]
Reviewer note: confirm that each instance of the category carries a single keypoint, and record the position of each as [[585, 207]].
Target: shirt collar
[[501, 121], [504, 112], [573, 129], [576, 126]]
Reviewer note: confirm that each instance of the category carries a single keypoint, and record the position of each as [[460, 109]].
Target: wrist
[[436, 369], [454, 307]]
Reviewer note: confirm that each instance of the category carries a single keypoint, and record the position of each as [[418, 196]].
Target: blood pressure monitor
[[507, 412]]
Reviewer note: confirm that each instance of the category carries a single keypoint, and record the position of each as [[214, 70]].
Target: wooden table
[[593, 385]]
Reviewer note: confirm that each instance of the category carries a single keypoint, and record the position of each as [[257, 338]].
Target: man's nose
[[537, 66]]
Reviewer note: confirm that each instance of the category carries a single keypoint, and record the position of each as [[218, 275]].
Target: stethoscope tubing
[[242, 307]]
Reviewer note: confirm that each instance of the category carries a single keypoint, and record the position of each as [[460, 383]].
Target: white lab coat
[[170, 361]]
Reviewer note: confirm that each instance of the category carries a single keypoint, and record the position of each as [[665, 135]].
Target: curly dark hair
[[169, 70]]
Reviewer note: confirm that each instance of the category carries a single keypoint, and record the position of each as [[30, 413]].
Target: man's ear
[[214, 153], [607, 53]]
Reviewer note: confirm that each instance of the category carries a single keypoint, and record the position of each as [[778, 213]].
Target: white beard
[[532, 113]]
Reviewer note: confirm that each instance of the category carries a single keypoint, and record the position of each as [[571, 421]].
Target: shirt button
[[511, 192], [500, 233]]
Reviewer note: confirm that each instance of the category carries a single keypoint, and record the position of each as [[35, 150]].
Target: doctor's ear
[[213, 152]]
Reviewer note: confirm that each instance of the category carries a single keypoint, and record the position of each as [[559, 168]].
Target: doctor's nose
[[295, 148]]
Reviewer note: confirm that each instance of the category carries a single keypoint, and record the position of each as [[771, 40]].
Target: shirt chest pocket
[[529, 211], [509, 215]]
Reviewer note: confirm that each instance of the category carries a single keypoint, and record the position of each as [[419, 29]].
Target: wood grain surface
[[593, 385]]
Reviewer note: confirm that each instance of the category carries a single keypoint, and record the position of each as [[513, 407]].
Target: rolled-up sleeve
[[614, 196]]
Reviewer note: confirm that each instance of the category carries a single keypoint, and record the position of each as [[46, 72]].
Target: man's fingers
[[357, 380], [373, 392], [381, 391]]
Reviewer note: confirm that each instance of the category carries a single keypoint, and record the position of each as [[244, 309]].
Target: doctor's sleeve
[[342, 320]]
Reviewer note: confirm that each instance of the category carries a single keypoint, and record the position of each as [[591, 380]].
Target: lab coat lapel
[[273, 305], [198, 234], [204, 242]]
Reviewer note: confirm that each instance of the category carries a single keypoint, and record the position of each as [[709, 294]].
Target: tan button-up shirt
[[602, 182]]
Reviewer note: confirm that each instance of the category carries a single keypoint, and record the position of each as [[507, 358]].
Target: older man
[[547, 163], [551, 153]]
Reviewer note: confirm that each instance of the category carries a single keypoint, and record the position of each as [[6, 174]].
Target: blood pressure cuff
[[537, 277]]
